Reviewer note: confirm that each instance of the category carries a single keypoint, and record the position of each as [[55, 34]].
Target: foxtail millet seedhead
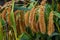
[[50, 24]]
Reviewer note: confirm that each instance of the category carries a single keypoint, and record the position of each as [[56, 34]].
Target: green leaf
[[32, 4], [20, 8], [32, 0], [38, 36], [47, 8], [47, 11], [13, 24], [2, 22], [55, 34], [57, 14], [25, 36]]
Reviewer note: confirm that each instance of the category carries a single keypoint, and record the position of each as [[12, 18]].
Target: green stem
[[1, 32], [57, 26], [57, 5], [52, 4], [13, 21]]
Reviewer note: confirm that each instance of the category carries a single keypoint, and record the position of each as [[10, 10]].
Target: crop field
[[30, 20]]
